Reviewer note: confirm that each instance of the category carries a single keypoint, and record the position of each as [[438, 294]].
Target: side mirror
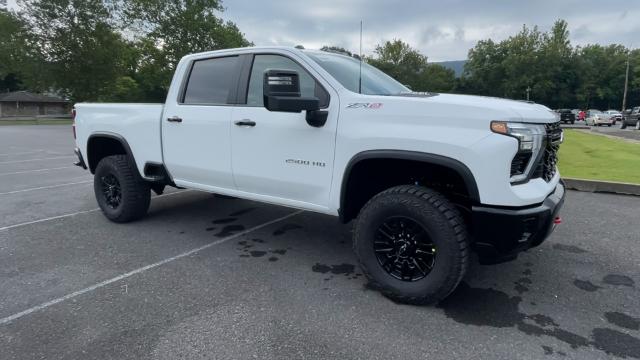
[[281, 91]]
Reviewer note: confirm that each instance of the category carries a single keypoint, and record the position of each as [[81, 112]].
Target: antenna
[[360, 76]]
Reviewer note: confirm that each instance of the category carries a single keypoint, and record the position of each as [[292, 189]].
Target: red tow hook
[[557, 220]]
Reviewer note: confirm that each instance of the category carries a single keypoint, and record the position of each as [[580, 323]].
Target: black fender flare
[[109, 135], [453, 164]]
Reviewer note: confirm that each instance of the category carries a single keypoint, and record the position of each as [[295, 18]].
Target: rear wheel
[[412, 244], [121, 193], [623, 125]]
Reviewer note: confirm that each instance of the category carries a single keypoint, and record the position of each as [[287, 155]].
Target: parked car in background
[[598, 118], [631, 117], [615, 115], [566, 116]]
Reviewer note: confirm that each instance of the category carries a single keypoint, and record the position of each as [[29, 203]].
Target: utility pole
[[626, 84]]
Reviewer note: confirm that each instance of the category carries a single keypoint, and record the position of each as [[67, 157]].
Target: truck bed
[[139, 124]]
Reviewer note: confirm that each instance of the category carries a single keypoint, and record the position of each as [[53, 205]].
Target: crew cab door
[[278, 155], [196, 126]]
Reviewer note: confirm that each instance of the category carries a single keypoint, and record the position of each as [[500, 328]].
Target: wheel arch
[[349, 211], [103, 144]]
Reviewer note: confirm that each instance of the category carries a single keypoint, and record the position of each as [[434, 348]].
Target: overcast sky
[[442, 30]]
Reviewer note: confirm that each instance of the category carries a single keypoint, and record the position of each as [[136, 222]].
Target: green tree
[[337, 49], [78, 42], [437, 78], [16, 55], [171, 29], [402, 62]]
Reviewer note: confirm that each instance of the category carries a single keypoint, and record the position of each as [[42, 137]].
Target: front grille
[[546, 168]]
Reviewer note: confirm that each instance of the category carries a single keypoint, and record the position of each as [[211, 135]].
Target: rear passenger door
[[195, 128]]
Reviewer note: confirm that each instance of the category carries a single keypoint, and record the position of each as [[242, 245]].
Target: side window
[[308, 85], [210, 80]]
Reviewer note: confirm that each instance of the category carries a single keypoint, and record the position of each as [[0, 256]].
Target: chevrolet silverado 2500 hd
[[428, 177]]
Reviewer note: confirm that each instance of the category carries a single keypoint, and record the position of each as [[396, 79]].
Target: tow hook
[[557, 220]]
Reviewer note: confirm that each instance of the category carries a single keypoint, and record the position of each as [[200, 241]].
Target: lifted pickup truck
[[429, 177]]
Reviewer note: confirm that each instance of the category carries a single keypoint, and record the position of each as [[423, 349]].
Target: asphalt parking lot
[[210, 277]]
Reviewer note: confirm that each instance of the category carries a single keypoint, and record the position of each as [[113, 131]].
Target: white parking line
[[22, 153], [37, 170], [8, 227], [47, 304], [47, 219], [21, 161], [45, 187]]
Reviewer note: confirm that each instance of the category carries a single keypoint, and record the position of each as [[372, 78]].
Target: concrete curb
[[602, 186]]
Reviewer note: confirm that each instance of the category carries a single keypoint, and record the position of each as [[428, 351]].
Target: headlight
[[530, 138]]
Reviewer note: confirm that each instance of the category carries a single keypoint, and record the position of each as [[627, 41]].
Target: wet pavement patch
[[279, 251], [493, 308], [618, 280], [229, 230], [241, 212], [569, 248], [623, 320], [616, 343], [489, 307], [521, 285], [286, 228], [342, 269], [273, 259], [548, 350], [586, 285], [543, 320], [224, 221], [257, 253]]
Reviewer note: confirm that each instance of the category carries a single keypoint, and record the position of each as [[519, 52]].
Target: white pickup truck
[[429, 177]]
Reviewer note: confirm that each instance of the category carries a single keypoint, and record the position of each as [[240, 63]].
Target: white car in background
[[598, 118], [615, 115]]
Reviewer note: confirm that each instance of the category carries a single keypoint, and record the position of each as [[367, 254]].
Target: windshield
[[598, 112], [347, 70]]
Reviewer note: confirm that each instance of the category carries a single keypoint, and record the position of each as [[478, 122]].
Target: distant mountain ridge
[[456, 65]]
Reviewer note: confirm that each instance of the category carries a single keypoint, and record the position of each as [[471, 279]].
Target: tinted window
[[308, 85], [210, 81]]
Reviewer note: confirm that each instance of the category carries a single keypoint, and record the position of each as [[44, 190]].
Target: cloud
[[441, 30]]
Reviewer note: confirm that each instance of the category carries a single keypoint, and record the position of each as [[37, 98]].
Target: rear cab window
[[211, 81]]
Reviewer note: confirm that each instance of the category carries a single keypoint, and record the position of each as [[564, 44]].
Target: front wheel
[[412, 244], [121, 193]]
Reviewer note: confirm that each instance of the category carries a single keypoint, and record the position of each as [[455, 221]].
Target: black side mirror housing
[[281, 91]]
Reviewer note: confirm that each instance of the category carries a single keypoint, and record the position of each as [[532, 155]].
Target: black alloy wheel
[[404, 249], [112, 190]]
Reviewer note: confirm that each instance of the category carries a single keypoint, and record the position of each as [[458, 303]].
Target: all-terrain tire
[[135, 193], [445, 227]]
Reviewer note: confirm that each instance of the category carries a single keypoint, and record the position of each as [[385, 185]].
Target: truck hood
[[500, 109]]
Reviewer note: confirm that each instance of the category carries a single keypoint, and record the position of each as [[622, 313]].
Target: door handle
[[174, 119], [245, 123]]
